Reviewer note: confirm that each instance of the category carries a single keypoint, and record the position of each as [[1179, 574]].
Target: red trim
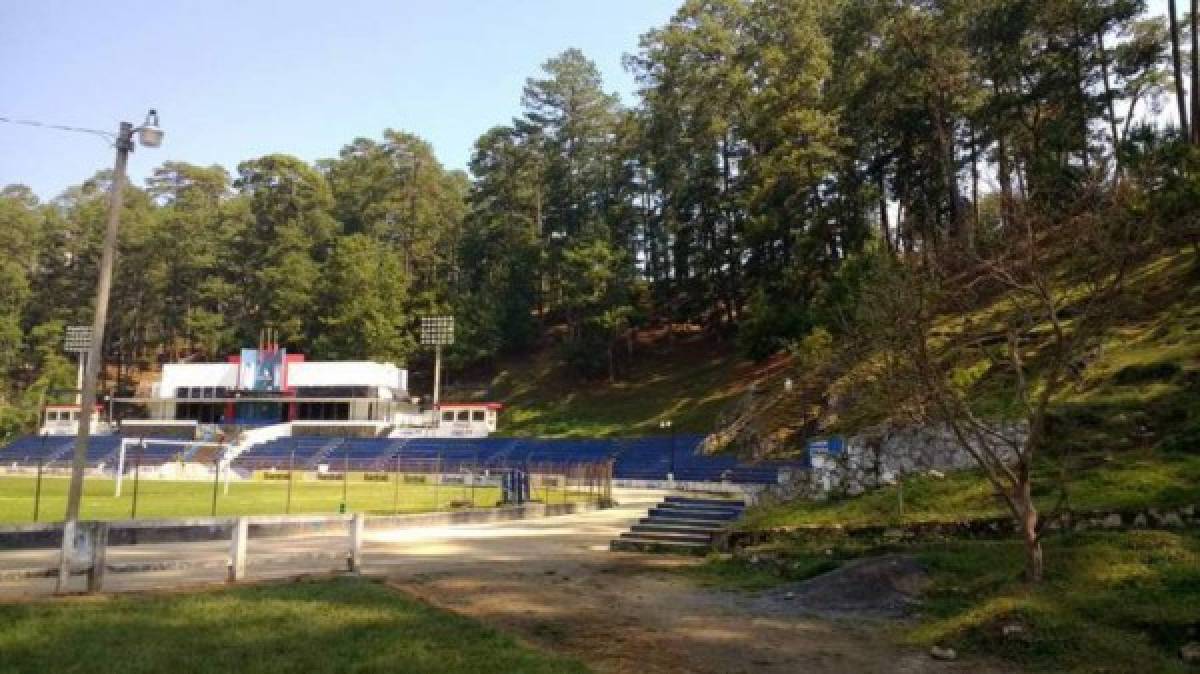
[[99, 407], [454, 406]]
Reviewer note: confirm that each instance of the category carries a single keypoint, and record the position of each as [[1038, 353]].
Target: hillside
[[690, 379]]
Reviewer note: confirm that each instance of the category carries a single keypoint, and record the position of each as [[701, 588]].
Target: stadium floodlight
[[437, 331], [668, 425], [78, 340], [150, 135]]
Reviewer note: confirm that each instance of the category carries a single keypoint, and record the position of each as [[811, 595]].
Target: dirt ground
[[553, 582], [636, 613]]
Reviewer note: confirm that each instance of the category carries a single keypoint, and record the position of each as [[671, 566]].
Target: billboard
[[262, 370]]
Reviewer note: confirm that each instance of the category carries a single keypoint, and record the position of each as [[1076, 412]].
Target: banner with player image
[[262, 370]]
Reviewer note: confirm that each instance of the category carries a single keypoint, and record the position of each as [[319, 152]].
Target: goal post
[[126, 443]]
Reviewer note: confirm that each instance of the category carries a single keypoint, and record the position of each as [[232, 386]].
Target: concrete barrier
[[95, 537]]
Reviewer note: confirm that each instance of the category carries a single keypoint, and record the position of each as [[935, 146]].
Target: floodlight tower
[[437, 331]]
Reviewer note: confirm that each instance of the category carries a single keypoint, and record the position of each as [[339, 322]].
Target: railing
[[88, 553]]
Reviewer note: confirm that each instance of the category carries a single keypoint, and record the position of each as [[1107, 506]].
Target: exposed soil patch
[[631, 613], [886, 587]]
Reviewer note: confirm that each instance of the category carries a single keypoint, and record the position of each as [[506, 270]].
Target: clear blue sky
[[234, 80], [238, 79]]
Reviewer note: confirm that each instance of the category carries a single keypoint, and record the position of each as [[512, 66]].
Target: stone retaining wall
[[885, 454]]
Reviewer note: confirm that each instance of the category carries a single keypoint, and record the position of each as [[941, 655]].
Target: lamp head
[[149, 134]]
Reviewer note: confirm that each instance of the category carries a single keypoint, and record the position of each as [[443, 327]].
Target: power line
[[59, 127]]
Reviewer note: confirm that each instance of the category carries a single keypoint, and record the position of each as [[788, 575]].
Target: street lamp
[[149, 135], [668, 425]]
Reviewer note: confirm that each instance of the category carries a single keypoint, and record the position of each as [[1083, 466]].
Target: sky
[[234, 80]]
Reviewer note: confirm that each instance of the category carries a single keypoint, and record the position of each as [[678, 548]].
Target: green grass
[[167, 499], [1110, 602], [1113, 602], [1126, 480], [332, 626]]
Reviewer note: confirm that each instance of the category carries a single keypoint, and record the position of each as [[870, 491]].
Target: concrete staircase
[[680, 525]]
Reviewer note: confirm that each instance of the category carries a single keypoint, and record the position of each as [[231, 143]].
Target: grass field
[[163, 499], [342, 625]]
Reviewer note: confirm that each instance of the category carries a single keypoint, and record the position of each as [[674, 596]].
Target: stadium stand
[[634, 459], [650, 458]]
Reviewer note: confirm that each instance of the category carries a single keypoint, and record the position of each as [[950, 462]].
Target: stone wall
[[884, 454]]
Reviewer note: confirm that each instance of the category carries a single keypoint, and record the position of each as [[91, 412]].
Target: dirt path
[[623, 612]]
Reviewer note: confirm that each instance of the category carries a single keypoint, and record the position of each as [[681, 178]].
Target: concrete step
[[684, 522], [694, 514], [669, 527], [668, 537], [683, 505], [663, 547], [720, 502]]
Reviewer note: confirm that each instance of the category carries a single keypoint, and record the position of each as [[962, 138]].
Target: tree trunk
[[884, 227], [973, 229], [1028, 523], [1177, 62], [1112, 109], [1195, 74]]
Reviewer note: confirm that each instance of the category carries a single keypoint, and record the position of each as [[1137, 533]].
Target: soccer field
[[169, 499]]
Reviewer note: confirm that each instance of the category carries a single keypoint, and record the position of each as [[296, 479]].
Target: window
[[75, 416], [477, 415], [52, 415], [447, 416], [464, 415]]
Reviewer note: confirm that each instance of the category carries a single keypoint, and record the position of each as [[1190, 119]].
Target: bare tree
[[1021, 320]]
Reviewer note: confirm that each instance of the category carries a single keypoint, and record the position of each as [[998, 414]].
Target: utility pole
[[150, 136]]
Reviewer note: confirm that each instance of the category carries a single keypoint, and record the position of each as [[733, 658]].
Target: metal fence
[[263, 487]]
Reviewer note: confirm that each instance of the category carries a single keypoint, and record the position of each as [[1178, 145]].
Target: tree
[[278, 253], [1061, 285], [1181, 100], [363, 292]]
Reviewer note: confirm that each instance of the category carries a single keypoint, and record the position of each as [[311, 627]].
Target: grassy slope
[[1128, 435], [689, 383], [336, 626]]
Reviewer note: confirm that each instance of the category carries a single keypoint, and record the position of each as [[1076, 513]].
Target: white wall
[[382, 375], [379, 375], [177, 375]]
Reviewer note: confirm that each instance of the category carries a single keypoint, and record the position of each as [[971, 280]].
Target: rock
[[1190, 653], [1140, 522], [1081, 527], [754, 559], [1188, 511], [945, 654], [893, 534], [1016, 632], [789, 596], [937, 475], [1113, 521], [1172, 520]]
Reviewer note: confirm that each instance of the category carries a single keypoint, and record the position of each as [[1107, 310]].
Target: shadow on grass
[[329, 626]]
